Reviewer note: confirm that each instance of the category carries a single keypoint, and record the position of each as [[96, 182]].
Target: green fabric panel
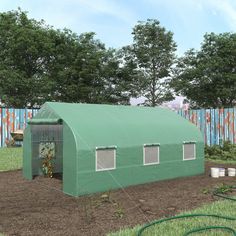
[[133, 156], [27, 153], [124, 126], [46, 112], [70, 185], [119, 178], [131, 171], [44, 121], [88, 126]]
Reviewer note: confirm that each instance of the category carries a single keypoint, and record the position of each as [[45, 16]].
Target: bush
[[225, 152]]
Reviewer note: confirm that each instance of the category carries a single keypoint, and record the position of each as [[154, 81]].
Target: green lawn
[[10, 158], [180, 226]]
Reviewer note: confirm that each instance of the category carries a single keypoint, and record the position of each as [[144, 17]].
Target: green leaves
[[24, 58], [225, 152], [39, 63], [208, 77], [150, 58]]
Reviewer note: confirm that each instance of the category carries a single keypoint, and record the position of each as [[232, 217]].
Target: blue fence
[[11, 120], [217, 125]]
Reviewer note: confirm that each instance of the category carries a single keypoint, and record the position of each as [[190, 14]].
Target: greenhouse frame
[[97, 148]]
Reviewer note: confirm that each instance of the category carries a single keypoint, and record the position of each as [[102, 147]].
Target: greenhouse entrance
[[47, 148]]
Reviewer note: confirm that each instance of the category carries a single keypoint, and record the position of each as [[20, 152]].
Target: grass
[[10, 158], [180, 226]]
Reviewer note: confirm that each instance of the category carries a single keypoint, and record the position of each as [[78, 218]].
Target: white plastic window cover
[[151, 154], [189, 150], [105, 158]]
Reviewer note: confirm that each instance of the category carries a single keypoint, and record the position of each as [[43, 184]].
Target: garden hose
[[191, 216], [225, 196], [210, 228], [197, 215]]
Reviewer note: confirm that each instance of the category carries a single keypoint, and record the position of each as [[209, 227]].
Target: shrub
[[225, 152]]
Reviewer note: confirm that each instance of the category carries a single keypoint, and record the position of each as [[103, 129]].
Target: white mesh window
[[189, 152], [150, 154], [105, 159]]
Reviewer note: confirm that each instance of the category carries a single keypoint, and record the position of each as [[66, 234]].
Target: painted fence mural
[[11, 120], [217, 125]]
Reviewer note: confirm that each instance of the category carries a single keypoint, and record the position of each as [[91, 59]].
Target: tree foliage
[[24, 57], [93, 74], [150, 58], [39, 63], [208, 77]]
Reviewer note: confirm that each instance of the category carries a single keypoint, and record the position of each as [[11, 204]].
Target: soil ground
[[39, 207]]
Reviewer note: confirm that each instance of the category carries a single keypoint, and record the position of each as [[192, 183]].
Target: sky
[[113, 20]]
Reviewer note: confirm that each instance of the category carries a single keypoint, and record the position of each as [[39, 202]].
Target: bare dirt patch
[[39, 207]]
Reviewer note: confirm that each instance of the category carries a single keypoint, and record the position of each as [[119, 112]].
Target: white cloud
[[113, 20], [72, 12], [191, 19], [227, 8], [109, 7]]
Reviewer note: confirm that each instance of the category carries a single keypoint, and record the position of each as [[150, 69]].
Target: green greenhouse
[[102, 147]]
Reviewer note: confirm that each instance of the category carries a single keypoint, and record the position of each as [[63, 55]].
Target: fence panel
[[217, 125], [12, 119]]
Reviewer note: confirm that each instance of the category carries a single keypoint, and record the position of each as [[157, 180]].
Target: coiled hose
[[197, 215]]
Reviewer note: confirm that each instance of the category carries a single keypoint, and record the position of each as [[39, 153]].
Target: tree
[[208, 77], [115, 89], [39, 64], [92, 76], [151, 56], [24, 55]]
